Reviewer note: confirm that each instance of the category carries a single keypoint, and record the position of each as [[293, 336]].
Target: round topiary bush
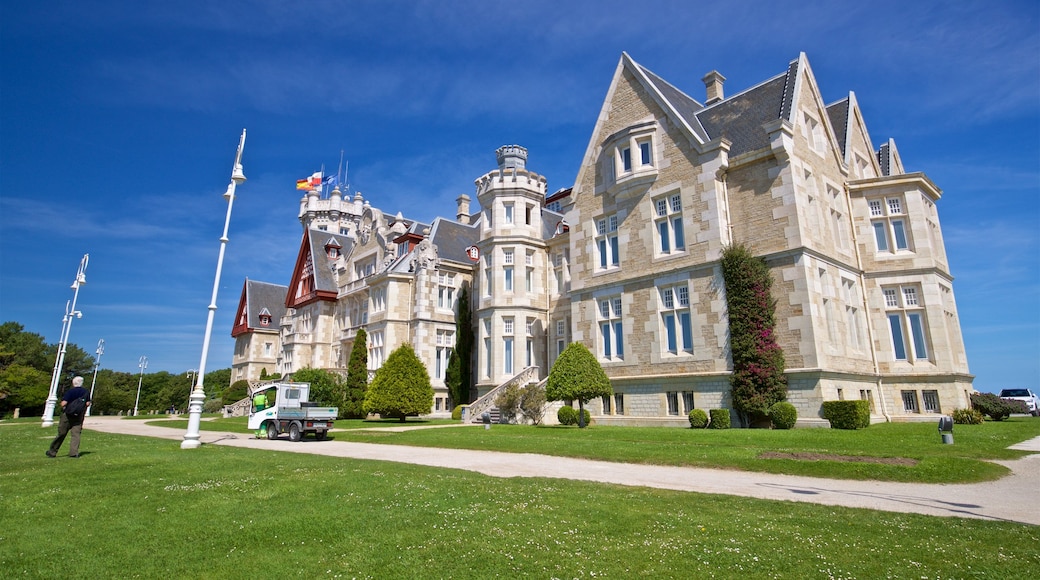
[[968, 417], [783, 415], [698, 419], [456, 413], [567, 415], [719, 419]]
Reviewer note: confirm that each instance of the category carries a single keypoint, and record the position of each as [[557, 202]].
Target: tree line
[[27, 362]]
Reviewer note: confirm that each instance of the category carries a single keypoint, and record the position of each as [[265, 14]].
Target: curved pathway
[[1012, 498]]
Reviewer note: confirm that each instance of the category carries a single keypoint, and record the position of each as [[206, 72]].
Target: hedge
[[847, 414]]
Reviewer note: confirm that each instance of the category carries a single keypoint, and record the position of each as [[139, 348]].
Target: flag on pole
[[312, 182], [330, 181]]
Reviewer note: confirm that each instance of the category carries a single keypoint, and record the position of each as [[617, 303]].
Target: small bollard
[[486, 417], [946, 429]]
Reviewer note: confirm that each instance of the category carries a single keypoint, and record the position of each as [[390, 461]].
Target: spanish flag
[[310, 183]]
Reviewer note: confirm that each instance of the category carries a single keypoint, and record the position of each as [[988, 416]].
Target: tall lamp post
[[100, 351], [143, 363], [198, 395], [66, 326], [191, 374]]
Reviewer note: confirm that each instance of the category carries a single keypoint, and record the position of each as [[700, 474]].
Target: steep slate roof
[[323, 278], [452, 239], [264, 295], [682, 103], [550, 220], [740, 118], [838, 113]]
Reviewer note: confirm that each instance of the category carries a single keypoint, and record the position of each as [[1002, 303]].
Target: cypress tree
[[357, 379]]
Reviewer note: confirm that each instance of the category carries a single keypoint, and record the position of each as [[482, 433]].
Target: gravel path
[[1012, 498]]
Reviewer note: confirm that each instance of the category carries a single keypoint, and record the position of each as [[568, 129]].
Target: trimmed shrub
[[967, 417], [719, 419], [456, 413], [567, 415], [532, 403], [847, 414], [698, 419], [994, 407], [783, 415]]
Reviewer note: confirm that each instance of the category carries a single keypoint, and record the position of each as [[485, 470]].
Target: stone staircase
[[474, 413]]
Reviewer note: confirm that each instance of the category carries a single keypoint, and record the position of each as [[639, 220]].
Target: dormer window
[[332, 249], [265, 317]]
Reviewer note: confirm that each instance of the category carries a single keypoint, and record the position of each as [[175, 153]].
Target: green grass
[[962, 462], [138, 507]]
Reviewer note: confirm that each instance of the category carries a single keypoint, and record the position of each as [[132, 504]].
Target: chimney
[[713, 82], [463, 214]]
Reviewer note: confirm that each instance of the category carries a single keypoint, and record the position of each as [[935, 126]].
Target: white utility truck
[[286, 410]]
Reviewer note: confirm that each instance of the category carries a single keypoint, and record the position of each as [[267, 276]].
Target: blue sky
[[119, 122]]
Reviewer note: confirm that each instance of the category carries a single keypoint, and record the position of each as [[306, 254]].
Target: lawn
[[962, 462], [142, 507]]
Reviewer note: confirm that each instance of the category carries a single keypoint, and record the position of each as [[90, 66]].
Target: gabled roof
[[259, 298], [889, 160], [550, 222], [313, 277]]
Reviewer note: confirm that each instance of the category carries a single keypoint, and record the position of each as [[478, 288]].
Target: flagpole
[[198, 394]]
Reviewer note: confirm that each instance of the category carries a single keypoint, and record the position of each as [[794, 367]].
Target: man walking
[[73, 409]]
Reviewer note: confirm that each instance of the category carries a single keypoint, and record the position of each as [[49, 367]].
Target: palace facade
[[626, 261]]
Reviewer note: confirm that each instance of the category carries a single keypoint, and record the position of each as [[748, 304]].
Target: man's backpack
[[76, 408]]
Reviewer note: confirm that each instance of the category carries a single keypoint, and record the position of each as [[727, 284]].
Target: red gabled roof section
[[242, 314], [302, 288], [412, 239]]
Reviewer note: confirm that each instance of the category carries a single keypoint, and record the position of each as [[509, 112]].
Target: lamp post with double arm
[[97, 363]]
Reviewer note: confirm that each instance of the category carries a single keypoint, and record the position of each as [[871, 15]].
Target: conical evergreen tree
[[357, 379], [401, 386]]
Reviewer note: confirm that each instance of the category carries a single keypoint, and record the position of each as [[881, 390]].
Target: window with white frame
[[378, 299], [905, 313], [487, 347], [676, 321], [611, 329], [560, 271], [445, 342], [268, 348], [668, 221], [508, 207], [561, 327], [507, 269], [446, 290], [889, 221], [607, 242], [375, 350], [488, 276], [507, 345], [634, 153], [529, 351]]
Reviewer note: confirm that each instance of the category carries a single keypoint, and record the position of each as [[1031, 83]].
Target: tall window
[[669, 222], [560, 271], [445, 290], [507, 269], [507, 345], [529, 358], [508, 213], [488, 276], [906, 321], [673, 402], [812, 130], [445, 342], [529, 272], [375, 350], [687, 401], [890, 224], [611, 328], [607, 242], [676, 320], [487, 348], [619, 404]]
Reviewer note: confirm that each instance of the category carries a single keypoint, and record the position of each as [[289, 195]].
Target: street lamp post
[[100, 351], [66, 326], [198, 395], [143, 363]]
